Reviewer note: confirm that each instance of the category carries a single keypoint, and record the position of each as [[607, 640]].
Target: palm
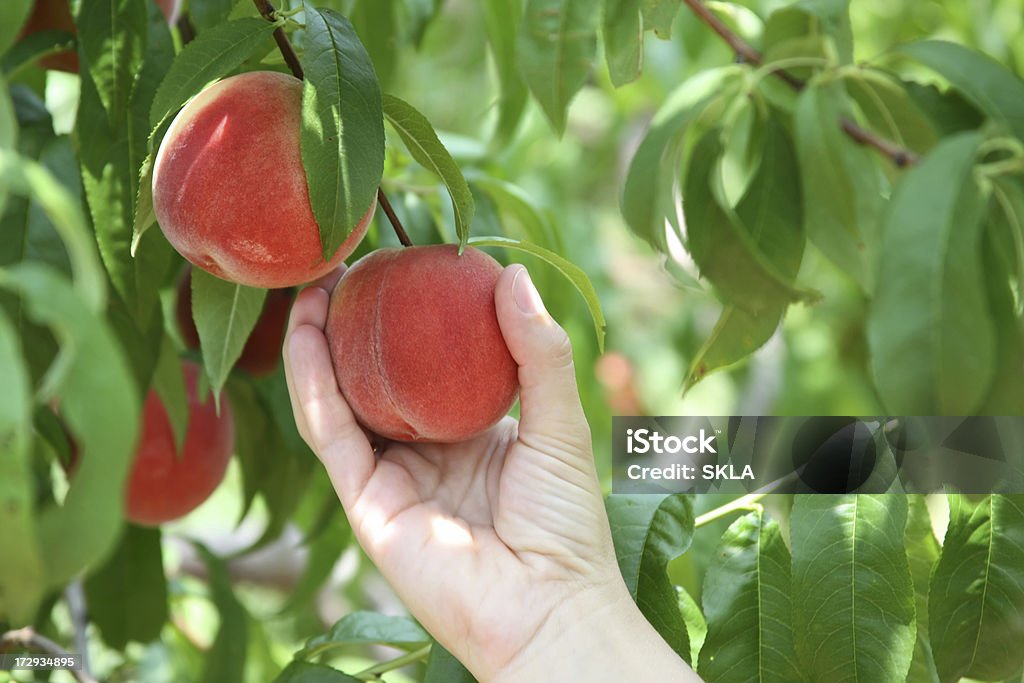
[[460, 527]]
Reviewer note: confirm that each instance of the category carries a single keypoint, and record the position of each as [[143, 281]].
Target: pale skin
[[499, 545]]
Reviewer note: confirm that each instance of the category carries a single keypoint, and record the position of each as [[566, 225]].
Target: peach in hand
[[229, 188], [416, 346]]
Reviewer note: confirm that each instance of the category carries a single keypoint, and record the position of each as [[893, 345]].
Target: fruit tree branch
[[268, 12], [899, 156], [403, 236], [28, 639]]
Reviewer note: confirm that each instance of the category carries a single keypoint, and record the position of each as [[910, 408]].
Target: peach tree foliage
[[794, 153]]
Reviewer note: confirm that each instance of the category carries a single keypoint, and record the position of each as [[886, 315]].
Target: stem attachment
[[268, 12]]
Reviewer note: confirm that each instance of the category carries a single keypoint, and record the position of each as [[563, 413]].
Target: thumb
[[551, 416]]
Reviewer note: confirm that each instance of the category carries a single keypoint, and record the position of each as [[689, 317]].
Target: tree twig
[[899, 156], [30, 640], [268, 12], [403, 236]]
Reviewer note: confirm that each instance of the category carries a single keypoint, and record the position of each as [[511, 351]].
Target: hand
[[499, 545]]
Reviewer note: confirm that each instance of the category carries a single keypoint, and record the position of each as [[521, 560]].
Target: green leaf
[[649, 531], [976, 602], [947, 109], [26, 230], [8, 123], [930, 332], [127, 595], [771, 214], [169, 384], [986, 83], [622, 31], [16, 13], [891, 111], [364, 628], [809, 23], [225, 314], [557, 46], [516, 211], [377, 25], [502, 18], [421, 141], [573, 273], [22, 575], [84, 529], [726, 249], [647, 197], [214, 53], [659, 15], [442, 667], [225, 660], [736, 335], [306, 672], [206, 14], [922, 553], [853, 595], [842, 183], [696, 625], [747, 604], [113, 147], [159, 56], [27, 178], [111, 45], [342, 126]]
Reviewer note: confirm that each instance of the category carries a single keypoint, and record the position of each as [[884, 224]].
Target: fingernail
[[526, 296]]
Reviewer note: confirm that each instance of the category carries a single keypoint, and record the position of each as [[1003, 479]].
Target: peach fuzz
[[416, 346], [165, 485], [229, 188]]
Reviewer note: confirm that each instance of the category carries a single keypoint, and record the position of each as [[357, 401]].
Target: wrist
[[597, 635]]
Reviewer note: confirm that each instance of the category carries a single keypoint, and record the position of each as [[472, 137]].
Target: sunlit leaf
[[853, 595], [342, 126], [976, 601]]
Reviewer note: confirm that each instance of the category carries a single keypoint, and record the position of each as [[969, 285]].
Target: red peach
[[262, 351], [229, 188], [165, 484], [416, 346]]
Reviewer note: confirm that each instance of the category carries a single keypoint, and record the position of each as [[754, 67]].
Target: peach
[[416, 346], [229, 188], [262, 351], [165, 484]]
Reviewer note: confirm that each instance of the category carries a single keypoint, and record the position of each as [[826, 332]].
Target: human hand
[[497, 543]]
